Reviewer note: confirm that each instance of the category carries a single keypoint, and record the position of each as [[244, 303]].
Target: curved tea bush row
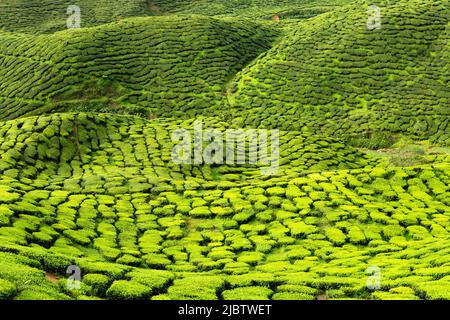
[[76, 150], [357, 82]]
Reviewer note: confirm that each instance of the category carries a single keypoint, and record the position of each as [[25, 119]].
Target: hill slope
[[48, 16], [162, 66], [334, 75]]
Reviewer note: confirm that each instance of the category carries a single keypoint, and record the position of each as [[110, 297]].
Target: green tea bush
[[335, 235], [128, 290], [157, 280], [292, 296], [251, 279], [87, 177]]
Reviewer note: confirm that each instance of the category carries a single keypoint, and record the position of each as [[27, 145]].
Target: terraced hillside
[[264, 9], [88, 178], [47, 16], [333, 74], [161, 66]]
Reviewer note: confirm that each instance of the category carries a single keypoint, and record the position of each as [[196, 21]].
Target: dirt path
[[51, 277]]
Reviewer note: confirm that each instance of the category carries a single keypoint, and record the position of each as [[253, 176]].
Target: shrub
[[418, 232], [284, 215], [157, 261], [275, 202], [40, 293], [299, 229], [292, 191], [112, 270], [129, 260], [5, 214], [79, 236], [230, 224], [303, 203], [220, 253], [156, 280], [380, 295], [236, 267], [298, 253], [213, 235], [265, 216], [288, 206], [275, 191], [244, 216], [297, 289], [355, 235], [7, 195], [128, 290], [253, 228], [42, 238], [222, 211], [392, 231]]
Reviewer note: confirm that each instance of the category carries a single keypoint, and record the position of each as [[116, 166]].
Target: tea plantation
[[87, 176], [333, 74]]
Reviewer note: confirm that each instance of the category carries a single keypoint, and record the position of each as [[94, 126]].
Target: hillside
[[48, 16], [264, 9], [96, 191], [64, 145]]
